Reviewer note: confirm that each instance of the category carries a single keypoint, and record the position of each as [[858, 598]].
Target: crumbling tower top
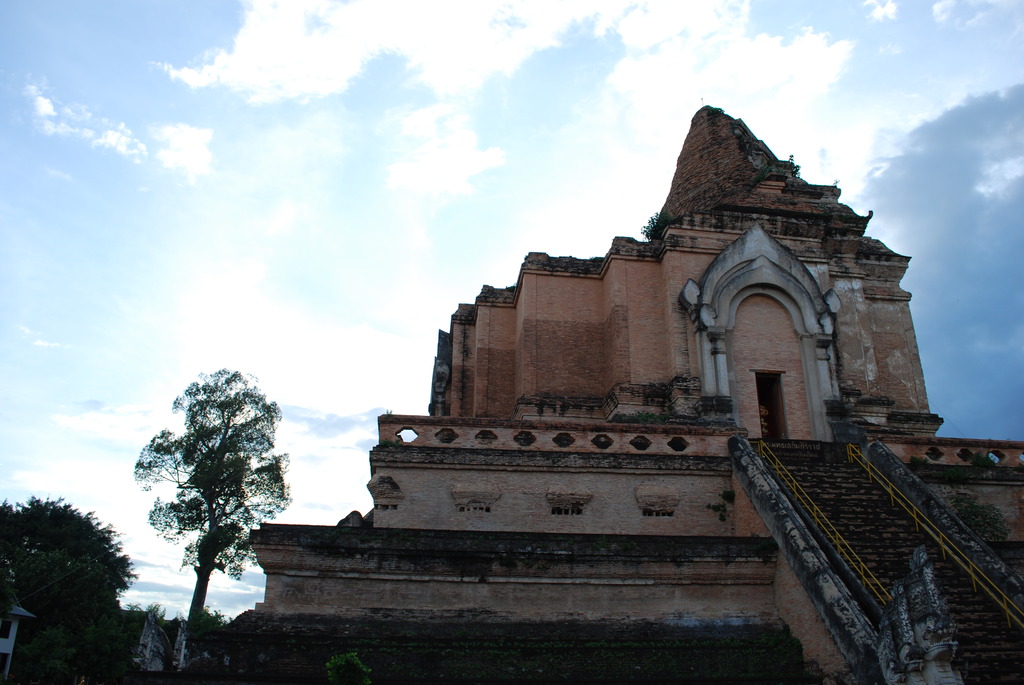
[[723, 165]]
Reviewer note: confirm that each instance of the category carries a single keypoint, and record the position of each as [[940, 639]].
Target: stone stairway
[[884, 537]]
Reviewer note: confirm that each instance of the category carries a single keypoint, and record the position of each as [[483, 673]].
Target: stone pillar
[[720, 363]]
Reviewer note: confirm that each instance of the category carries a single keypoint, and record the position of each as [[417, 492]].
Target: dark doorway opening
[[769, 405]]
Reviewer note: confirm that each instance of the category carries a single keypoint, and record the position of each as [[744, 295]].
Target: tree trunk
[[199, 595]]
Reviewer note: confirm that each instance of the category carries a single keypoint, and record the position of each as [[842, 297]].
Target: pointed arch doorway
[[759, 309]]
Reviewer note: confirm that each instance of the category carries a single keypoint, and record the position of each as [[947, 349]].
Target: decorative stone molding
[[485, 437], [758, 264], [568, 502], [563, 440], [467, 496], [525, 438], [545, 435], [385, 491], [446, 435], [916, 633], [659, 500]]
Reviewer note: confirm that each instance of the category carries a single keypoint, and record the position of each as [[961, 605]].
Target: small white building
[[8, 632]]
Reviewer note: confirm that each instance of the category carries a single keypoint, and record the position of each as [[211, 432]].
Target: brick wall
[[797, 611], [601, 333], [764, 341], [336, 571]]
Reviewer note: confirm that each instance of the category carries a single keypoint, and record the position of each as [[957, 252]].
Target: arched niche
[[757, 264]]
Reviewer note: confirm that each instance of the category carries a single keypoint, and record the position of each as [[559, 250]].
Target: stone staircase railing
[[989, 573], [878, 519], [850, 627]]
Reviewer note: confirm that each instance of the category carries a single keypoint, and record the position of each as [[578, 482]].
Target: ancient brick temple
[[698, 458]]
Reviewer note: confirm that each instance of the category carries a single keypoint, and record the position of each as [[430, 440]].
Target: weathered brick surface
[[339, 572], [507, 490], [803, 619], [764, 341], [587, 330], [715, 165], [581, 412]]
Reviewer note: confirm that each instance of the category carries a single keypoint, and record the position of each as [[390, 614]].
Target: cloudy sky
[[305, 190]]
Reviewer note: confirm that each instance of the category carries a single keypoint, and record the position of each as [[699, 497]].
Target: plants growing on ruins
[[782, 168], [656, 225], [208, 621], [226, 477], [766, 546], [347, 669], [981, 459], [722, 508], [916, 463], [795, 167], [984, 519], [954, 474]]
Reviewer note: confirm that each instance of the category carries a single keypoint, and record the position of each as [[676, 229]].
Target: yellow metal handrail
[[1014, 614], [867, 578]]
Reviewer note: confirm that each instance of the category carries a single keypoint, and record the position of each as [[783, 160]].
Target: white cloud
[[881, 10], [942, 10], [329, 468], [964, 14], [286, 216], [647, 24], [56, 173], [997, 176], [39, 341], [120, 140], [45, 343], [75, 120], [185, 149], [43, 106], [228, 299], [732, 70], [447, 157], [129, 424], [311, 48]]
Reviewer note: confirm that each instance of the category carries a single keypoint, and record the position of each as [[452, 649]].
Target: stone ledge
[[945, 451], [559, 545], [545, 460], [331, 571]]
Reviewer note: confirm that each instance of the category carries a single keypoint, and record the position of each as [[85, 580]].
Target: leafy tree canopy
[[226, 477], [69, 570]]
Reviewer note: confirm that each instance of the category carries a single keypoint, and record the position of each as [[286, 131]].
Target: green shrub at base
[[347, 669]]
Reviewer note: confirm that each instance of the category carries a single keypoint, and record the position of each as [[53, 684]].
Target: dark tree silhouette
[[226, 477], [67, 569]]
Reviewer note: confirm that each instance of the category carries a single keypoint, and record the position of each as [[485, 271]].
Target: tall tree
[[226, 477], [69, 570]]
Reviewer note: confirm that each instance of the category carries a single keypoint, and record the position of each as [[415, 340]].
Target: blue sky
[[305, 190]]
